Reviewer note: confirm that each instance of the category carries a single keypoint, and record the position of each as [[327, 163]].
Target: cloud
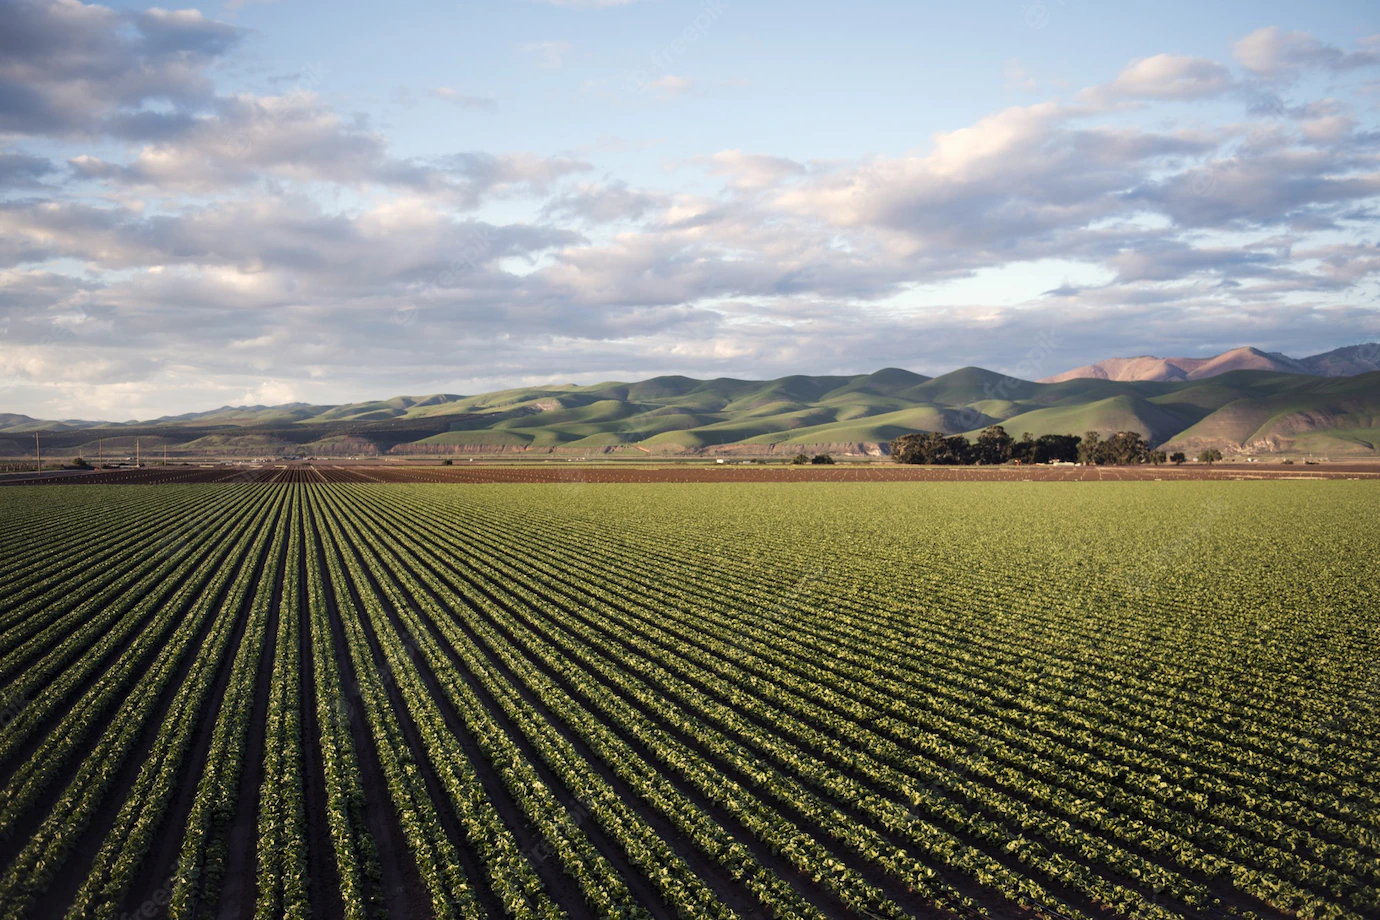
[[481, 103], [297, 138], [269, 393], [245, 137], [670, 85], [236, 246], [69, 69], [1168, 76], [183, 33], [1170, 260], [1016, 76], [603, 203], [20, 170], [510, 173], [1024, 183], [748, 170], [1274, 53], [1328, 129], [548, 55], [1309, 189], [404, 242]]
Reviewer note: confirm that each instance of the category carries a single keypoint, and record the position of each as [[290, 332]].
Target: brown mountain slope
[[1347, 361], [1151, 368]]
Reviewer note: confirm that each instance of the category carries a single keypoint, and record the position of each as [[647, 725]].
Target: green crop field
[[1142, 699]]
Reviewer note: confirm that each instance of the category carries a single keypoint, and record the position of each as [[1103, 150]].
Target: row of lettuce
[[558, 719]]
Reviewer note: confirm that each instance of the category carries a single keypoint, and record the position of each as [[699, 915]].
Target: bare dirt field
[[476, 473]]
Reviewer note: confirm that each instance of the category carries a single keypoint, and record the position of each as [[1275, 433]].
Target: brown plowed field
[[472, 473]]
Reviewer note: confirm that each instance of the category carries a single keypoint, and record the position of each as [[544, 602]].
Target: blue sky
[[275, 201]]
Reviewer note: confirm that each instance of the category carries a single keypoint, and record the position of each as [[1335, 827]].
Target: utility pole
[[38, 453], [165, 454], [100, 451], [136, 453]]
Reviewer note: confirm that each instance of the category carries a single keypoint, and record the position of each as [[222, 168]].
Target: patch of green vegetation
[[1117, 413]]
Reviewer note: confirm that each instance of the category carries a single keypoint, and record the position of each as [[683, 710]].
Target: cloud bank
[[165, 245]]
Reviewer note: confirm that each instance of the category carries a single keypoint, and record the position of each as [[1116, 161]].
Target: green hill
[[1311, 414], [1257, 411], [1116, 413]]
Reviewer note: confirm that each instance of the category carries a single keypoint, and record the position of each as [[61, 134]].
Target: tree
[[1090, 451], [1156, 457], [800, 460], [1124, 447], [1057, 447], [921, 447], [931, 447], [1023, 451], [993, 446], [954, 451], [447, 462], [906, 448], [1177, 457], [1210, 455], [822, 460]]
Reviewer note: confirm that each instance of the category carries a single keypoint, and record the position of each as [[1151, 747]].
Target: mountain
[[1345, 362], [1335, 416], [1342, 362], [1242, 410]]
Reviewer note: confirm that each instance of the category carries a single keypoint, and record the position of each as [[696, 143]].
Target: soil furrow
[[75, 869], [404, 895]]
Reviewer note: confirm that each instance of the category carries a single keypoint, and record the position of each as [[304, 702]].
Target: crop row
[[308, 699]]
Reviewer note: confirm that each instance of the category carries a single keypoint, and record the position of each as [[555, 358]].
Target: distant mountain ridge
[[1340, 362], [1248, 410]]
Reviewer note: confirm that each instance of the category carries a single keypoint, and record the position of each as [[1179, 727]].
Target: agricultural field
[[307, 698], [533, 472]]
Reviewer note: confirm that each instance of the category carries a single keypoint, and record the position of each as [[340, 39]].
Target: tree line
[[994, 445]]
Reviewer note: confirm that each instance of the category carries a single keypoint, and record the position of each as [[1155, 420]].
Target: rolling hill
[[1236, 410]]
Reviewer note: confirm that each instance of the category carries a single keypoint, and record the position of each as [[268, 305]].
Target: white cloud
[[748, 170], [670, 85], [1274, 53], [548, 55], [259, 248], [1328, 129], [600, 202], [269, 393], [1016, 76], [292, 136], [1170, 76], [297, 138], [71, 69]]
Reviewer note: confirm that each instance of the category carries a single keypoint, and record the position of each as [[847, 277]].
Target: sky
[[253, 202]]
